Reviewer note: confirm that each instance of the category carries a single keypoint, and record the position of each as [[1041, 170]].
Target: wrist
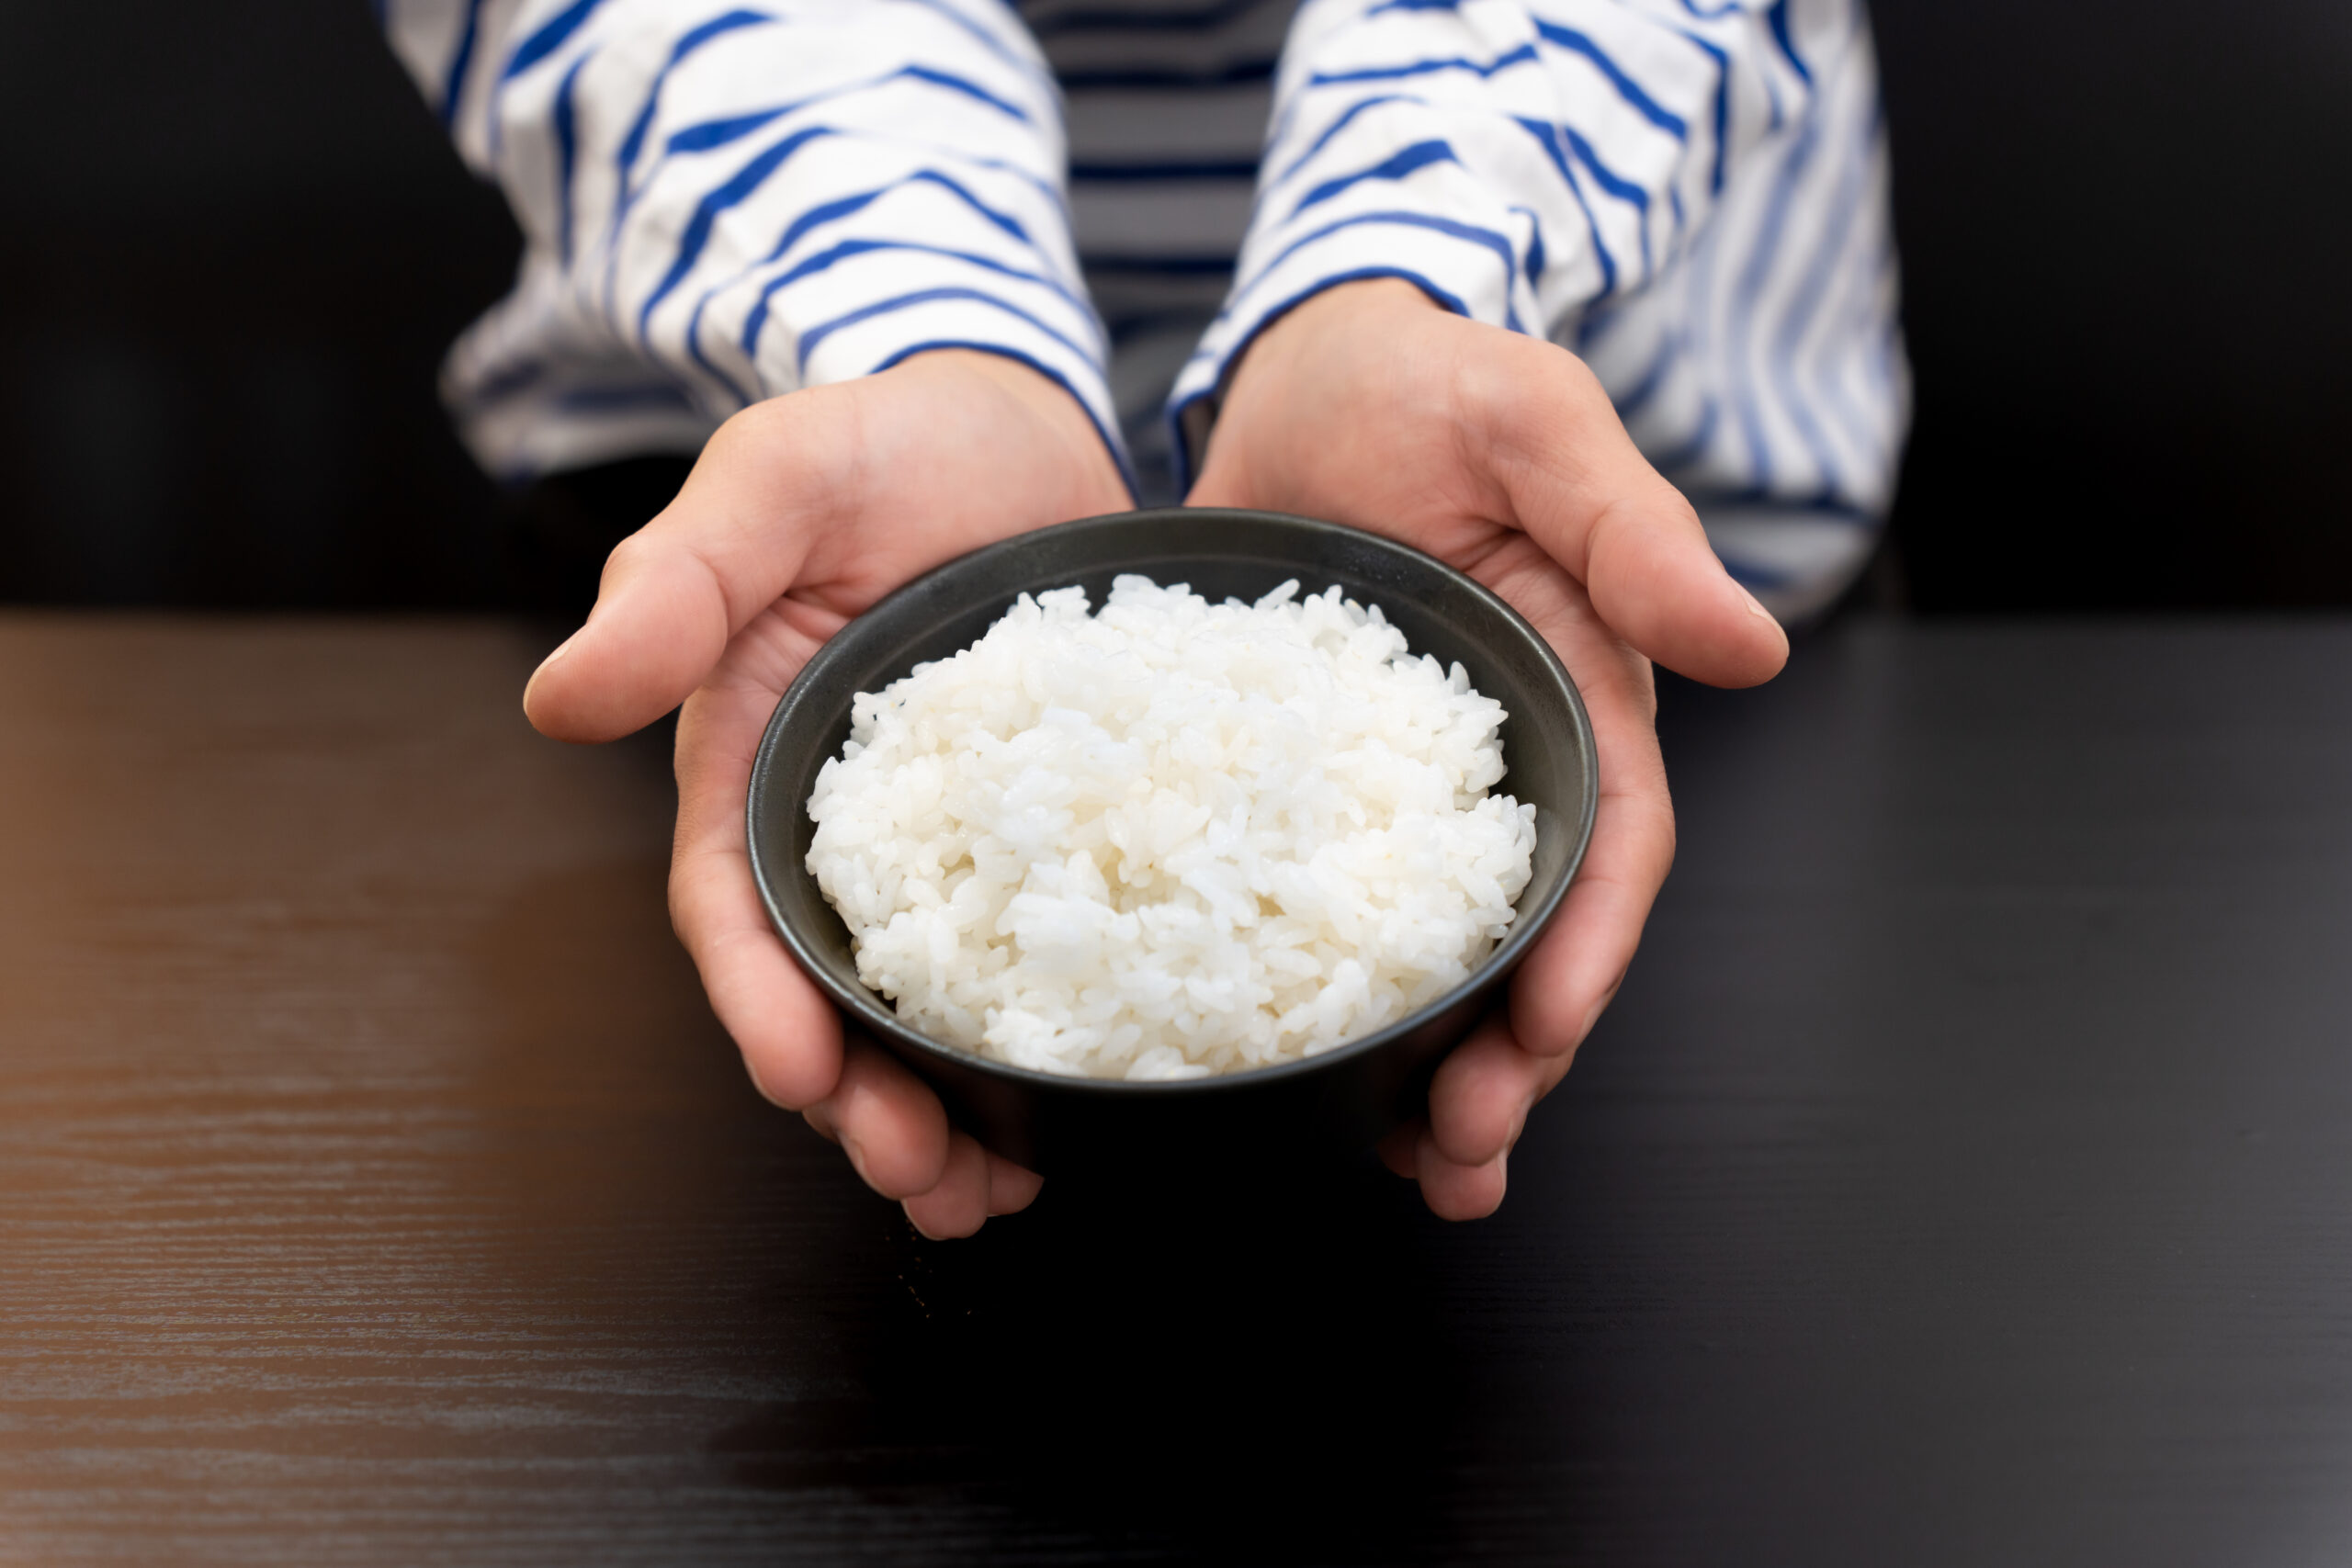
[[1351, 302], [1039, 397], [1293, 343]]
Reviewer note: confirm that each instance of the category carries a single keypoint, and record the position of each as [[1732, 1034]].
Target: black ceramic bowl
[[1291, 1116]]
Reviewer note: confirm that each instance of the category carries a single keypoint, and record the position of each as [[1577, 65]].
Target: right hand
[[800, 514]]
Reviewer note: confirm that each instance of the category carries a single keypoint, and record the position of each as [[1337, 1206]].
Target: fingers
[[1012, 1188], [889, 1125], [1452, 1190], [1480, 1097], [1653, 577], [975, 1187], [1478, 1106], [1482, 1094], [897, 1141], [958, 1203], [1573, 969], [1576, 966], [790, 1034], [1457, 1192], [679, 588], [895, 1135], [1575, 482]]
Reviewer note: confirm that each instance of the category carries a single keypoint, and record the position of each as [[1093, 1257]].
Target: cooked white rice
[[1173, 839]]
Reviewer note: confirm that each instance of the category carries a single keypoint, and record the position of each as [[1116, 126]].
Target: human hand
[[802, 512], [1501, 454]]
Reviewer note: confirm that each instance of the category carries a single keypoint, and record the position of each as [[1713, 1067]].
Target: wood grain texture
[[1964, 1176]]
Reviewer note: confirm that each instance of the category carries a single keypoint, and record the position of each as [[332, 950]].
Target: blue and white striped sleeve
[[724, 200], [1522, 161]]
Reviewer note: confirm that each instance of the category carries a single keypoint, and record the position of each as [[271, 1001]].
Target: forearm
[[1520, 162], [734, 203]]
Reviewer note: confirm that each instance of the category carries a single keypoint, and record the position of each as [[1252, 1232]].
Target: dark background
[[238, 247]]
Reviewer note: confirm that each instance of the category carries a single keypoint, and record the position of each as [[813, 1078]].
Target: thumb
[[676, 592], [1579, 487]]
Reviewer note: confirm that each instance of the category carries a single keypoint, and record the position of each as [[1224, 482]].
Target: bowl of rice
[[1178, 833]]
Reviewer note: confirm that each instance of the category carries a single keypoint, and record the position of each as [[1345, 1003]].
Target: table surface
[[1964, 1177]]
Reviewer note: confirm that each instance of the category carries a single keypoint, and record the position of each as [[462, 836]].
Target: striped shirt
[[723, 200]]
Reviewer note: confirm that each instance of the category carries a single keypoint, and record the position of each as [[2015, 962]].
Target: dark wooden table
[[1964, 1177]]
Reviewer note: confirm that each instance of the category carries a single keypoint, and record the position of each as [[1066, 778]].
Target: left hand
[[1501, 454]]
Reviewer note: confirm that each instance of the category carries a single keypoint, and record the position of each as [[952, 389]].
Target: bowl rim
[[872, 1012]]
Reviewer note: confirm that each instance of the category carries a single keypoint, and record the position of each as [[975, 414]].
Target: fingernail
[[856, 1158], [1755, 606], [917, 1224], [549, 662], [545, 665]]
